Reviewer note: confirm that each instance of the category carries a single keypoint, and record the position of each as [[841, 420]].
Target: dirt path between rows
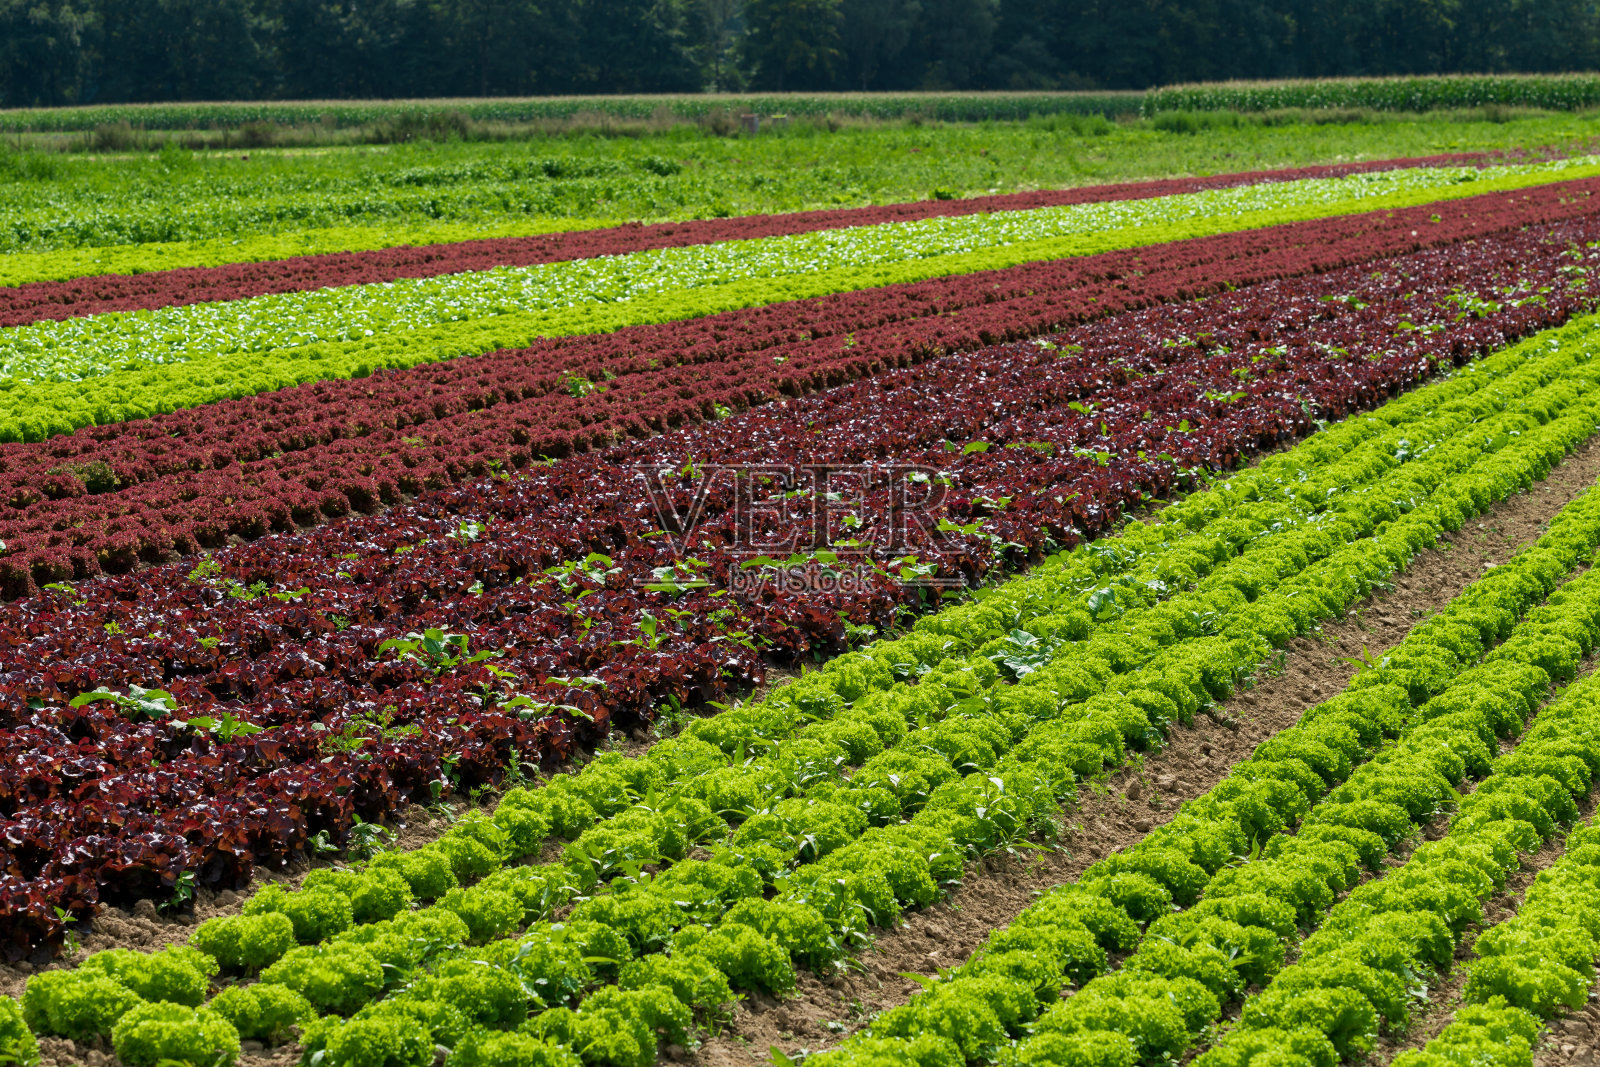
[[1571, 1040], [1129, 803]]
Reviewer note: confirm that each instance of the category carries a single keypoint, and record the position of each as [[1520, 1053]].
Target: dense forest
[[106, 51]]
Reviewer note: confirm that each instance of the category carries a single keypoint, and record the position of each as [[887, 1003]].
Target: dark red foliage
[[94, 807], [105, 499], [194, 285]]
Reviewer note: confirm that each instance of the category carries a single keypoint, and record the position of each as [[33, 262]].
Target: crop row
[[137, 279], [317, 770], [972, 772], [1343, 985], [285, 635], [1540, 961], [941, 106], [369, 319], [1235, 920], [105, 499], [1569, 92], [144, 381]]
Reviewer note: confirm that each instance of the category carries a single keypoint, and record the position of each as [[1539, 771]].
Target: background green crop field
[[51, 200], [1556, 92], [948, 107]]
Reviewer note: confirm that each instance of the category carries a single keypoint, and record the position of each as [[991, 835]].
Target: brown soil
[[1571, 1040], [1127, 804]]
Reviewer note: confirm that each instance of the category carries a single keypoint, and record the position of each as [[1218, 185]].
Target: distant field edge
[[1435, 92], [945, 106], [1553, 92]]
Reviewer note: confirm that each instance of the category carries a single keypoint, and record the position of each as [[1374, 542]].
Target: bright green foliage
[[376, 893], [1182, 880], [642, 917], [487, 995], [614, 1028], [388, 1040], [483, 1048], [17, 1043], [1153, 1024], [474, 846], [797, 926], [539, 890], [180, 974], [392, 1032], [489, 913], [1344, 1015], [263, 1012], [336, 977], [75, 1004], [1253, 951], [1141, 896], [245, 943], [156, 1035], [1543, 987], [1072, 945], [925, 1050], [552, 969], [1292, 1048], [1489, 1034], [1206, 963], [977, 1013], [1089, 1048], [750, 960], [692, 979], [409, 940], [317, 914], [426, 870], [1113, 930]]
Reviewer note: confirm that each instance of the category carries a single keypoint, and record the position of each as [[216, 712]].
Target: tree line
[[55, 52]]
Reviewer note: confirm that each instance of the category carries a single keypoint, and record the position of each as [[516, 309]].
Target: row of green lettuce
[[66, 264], [1534, 964], [1200, 927], [1381, 937], [988, 759], [62, 376]]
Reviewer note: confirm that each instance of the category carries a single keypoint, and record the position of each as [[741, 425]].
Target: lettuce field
[[1092, 627]]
